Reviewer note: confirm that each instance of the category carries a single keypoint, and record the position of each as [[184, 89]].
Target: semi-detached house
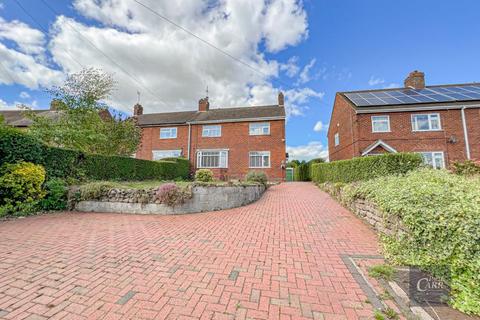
[[229, 141], [440, 122]]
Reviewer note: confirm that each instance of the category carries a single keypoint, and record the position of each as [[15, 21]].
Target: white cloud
[[24, 95], [312, 150], [6, 106], [305, 74], [170, 68], [28, 40], [291, 68], [320, 126], [391, 86], [375, 81]]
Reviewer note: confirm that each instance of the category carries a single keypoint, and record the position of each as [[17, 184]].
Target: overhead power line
[[44, 30], [210, 44], [131, 76]]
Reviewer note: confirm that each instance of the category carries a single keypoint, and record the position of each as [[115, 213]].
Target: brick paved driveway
[[275, 259]]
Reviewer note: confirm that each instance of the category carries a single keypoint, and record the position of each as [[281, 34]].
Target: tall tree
[[81, 121]]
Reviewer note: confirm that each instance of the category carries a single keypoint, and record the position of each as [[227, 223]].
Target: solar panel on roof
[[470, 92]]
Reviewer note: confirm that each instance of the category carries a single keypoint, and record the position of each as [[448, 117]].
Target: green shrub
[[18, 146], [257, 176], [302, 172], [56, 195], [439, 212], [204, 175], [365, 168], [467, 168], [93, 190], [20, 187]]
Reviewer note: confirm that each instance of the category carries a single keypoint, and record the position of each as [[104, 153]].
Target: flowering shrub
[[171, 195], [440, 212], [204, 175], [20, 187]]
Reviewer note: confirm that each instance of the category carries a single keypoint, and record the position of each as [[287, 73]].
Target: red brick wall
[[401, 137], [473, 125], [235, 137], [341, 121]]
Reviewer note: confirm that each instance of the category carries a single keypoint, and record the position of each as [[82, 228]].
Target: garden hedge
[[18, 146], [365, 168]]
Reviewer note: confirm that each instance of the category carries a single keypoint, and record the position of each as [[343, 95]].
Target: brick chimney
[[56, 104], [203, 105], [416, 80], [281, 99], [137, 110]]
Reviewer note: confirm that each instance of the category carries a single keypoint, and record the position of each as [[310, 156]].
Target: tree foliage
[[82, 122]]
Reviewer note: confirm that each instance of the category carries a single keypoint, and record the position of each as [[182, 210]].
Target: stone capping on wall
[[366, 210], [204, 198]]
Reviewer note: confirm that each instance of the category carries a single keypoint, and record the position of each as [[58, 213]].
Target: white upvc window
[[259, 128], [337, 139], [259, 159], [380, 124], [426, 122], [435, 159], [168, 133], [161, 154], [212, 159], [212, 131]]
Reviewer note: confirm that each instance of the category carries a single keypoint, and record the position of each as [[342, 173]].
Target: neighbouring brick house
[[229, 141], [440, 122], [18, 119]]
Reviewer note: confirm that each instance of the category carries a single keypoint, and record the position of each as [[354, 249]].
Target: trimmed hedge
[[302, 172], [365, 168], [17, 146]]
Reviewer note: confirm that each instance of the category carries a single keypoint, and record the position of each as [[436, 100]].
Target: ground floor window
[[434, 159], [160, 154], [212, 159], [259, 159]]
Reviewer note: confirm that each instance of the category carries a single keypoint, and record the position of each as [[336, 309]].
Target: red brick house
[[440, 122], [229, 141]]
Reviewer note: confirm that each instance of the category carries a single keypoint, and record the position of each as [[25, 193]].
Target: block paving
[[278, 258]]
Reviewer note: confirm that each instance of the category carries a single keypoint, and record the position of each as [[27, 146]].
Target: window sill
[[436, 130], [381, 131]]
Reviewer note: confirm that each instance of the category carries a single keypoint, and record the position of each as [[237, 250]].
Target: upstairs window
[[426, 122], [259, 128], [380, 124], [212, 159], [259, 159], [434, 159], [212, 131], [168, 133], [337, 139]]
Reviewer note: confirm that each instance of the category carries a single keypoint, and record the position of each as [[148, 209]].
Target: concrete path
[[278, 258]]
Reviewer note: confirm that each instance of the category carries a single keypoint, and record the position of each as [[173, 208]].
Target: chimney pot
[[203, 105], [281, 99], [137, 110], [416, 80]]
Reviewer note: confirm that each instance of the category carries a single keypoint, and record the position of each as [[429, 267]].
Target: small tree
[[79, 124]]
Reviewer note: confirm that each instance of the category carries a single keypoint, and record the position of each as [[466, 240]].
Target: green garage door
[[289, 174]]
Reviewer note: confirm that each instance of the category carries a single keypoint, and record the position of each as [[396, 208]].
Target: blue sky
[[323, 47]]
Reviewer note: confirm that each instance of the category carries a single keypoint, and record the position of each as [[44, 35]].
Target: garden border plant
[[440, 232]]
